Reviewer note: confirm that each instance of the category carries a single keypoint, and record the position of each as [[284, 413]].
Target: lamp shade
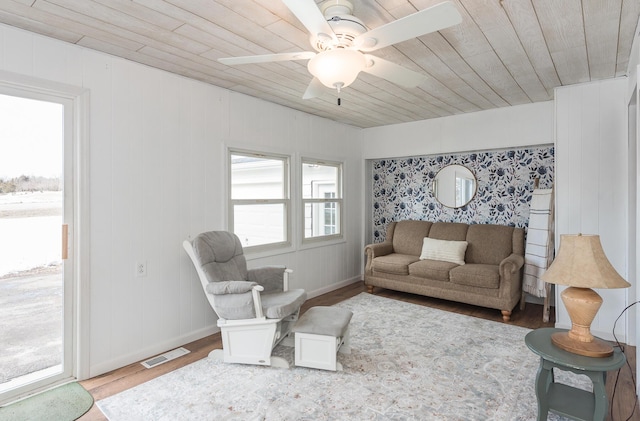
[[337, 68], [581, 262]]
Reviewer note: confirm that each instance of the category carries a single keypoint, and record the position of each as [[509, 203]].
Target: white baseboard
[[139, 355], [333, 287]]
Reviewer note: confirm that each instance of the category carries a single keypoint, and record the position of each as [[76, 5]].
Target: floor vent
[[163, 358]]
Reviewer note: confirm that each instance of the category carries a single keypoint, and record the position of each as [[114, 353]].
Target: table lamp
[[581, 265]]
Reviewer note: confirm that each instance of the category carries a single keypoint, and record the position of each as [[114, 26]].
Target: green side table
[[562, 399]]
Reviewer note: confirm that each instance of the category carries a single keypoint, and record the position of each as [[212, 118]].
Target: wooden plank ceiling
[[505, 52]]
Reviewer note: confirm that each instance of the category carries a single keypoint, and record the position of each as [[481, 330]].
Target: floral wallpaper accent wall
[[401, 187]]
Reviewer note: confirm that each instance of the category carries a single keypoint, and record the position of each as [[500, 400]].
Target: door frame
[[633, 214], [79, 232]]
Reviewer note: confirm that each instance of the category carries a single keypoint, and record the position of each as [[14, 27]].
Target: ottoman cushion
[[328, 321]]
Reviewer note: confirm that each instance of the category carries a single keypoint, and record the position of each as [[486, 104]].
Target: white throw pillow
[[443, 250]]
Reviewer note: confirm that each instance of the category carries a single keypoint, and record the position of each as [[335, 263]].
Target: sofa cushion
[[489, 244], [408, 235], [449, 231], [443, 250], [431, 269], [476, 275], [394, 263]]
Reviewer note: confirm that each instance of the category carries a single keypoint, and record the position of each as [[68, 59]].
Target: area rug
[[408, 362], [63, 403]]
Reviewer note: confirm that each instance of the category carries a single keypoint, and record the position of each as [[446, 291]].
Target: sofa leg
[[370, 289], [506, 315]]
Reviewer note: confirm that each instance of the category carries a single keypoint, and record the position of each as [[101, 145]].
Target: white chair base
[[278, 362], [320, 351], [248, 342], [320, 335]]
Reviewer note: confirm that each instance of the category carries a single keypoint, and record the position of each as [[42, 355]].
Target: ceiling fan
[[342, 41]]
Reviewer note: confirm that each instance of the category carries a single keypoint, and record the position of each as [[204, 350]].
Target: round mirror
[[454, 186]]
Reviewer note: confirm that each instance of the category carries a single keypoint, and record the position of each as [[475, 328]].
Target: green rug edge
[[67, 402]]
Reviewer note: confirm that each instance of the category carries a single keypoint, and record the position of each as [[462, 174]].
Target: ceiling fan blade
[[311, 17], [266, 58], [393, 72], [314, 90], [429, 20]]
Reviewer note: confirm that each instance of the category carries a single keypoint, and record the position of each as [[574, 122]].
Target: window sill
[[316, 243], [261, 254]]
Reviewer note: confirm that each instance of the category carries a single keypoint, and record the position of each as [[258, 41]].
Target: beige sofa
[[490, 275]]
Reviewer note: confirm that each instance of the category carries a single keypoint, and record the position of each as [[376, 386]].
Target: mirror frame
[[442, 173]]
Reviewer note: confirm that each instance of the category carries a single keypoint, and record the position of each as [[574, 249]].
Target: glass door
[[36, 283]]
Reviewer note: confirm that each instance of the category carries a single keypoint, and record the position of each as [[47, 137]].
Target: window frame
[[285, 201], [338, 201]]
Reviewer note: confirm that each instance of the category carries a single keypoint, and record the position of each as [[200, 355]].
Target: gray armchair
[[255, 308]]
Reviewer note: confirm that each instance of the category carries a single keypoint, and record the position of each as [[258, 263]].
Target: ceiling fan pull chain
[[339, 102]]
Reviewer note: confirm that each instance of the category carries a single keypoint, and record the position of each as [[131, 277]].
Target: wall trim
[[537, 145], [140, 355], [333, 287], [79, 98]]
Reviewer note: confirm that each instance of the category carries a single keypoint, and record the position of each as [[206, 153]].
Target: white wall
[[634, 185], [509, 127], [591, 186], [157, 176]]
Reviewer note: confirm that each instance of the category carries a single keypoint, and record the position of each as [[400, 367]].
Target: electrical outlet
[[141, 269]]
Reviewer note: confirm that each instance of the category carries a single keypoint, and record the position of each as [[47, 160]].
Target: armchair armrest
[[230, 287], [285, 279], [272, 278], [257, 301], [237, 288]]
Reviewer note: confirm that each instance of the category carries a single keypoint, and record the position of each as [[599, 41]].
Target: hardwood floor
[[531, 317]]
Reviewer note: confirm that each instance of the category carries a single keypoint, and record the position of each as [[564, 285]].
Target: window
[[259, 201], [321, 199], [464, 189]]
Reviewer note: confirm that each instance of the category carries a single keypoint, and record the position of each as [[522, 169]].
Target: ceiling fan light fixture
[[337, 68], [336, 7]]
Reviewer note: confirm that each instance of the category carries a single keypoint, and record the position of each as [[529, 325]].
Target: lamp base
[[596, 348], [582, 305]]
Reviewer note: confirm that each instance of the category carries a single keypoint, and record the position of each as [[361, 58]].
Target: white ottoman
[[320, 334]]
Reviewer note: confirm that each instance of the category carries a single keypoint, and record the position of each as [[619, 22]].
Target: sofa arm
[[511, 265], [375, 250]]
